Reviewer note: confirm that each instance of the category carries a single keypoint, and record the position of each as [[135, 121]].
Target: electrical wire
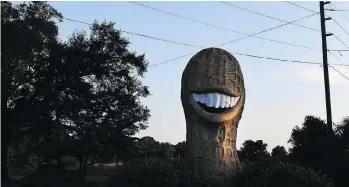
[[266, 30], [137, 34], [185, 44], [127, 32], [279, 59], [270, 17], [264, 57], [219, 27], [339, 50], [332, 19], [339, 24], [335, 68], [341, 41], [340, 12], [336, 10], [334, 35], [248, 55], [299, 6], [339, 72], [336, 57]]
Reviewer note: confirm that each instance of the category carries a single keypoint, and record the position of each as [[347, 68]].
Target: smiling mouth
[[215, 102]]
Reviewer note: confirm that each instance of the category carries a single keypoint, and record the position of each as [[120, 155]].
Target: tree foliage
[[309, 142], [253, 151], [79, 97], [27, 31], [311, 147], [148, 147], [279, 151]]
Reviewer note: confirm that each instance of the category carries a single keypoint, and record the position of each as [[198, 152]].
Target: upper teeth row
[[216, 100]]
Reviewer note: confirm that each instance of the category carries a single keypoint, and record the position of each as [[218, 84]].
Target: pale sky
[[279, 94]]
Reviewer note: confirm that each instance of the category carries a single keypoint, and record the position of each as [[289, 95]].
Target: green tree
[[25, 35], [148, 147], [80, 97], [180, 150], [309, 142], [253, 151], [342, 154], [279, 151], [311, 147], [102, 77]]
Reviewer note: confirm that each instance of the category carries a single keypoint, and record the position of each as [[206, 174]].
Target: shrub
[[156, 172], [53, 176], [70, 162], [276, 174]]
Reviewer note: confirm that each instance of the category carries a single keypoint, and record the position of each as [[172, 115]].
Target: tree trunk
[[84, 171], [84, 167]]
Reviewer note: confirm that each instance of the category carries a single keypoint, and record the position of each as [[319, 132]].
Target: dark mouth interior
[[212, 109]]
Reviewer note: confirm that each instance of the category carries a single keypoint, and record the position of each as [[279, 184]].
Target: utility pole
[[325, 66]]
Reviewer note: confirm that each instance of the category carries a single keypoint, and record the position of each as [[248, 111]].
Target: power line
[[262, 57], [137, 34], [173, 59], [267, 30], [219, 27], [299, 6], [339, 72], [339, 24], [270, 17], [127, 32], [294, 61], [248, 55], [336, 57], [337, 10], [282, 60], [279, 59], [176, 58], [332, 19], [339, 50], [341, 12], [182, 43], [341, 41]]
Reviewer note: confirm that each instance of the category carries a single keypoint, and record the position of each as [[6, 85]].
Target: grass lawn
[[96, 175], [101, 170]]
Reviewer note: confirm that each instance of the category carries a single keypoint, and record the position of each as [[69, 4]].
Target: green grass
[[96, 176], [101, 171]]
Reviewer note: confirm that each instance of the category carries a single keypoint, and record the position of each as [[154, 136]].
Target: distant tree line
[[309, 147]]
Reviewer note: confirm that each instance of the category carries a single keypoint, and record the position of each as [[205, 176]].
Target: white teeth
[[237, 99], [202, 98], [223, 100], [227, 102], [232, 101], [196, 97], [209, 99], [216, 100]]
